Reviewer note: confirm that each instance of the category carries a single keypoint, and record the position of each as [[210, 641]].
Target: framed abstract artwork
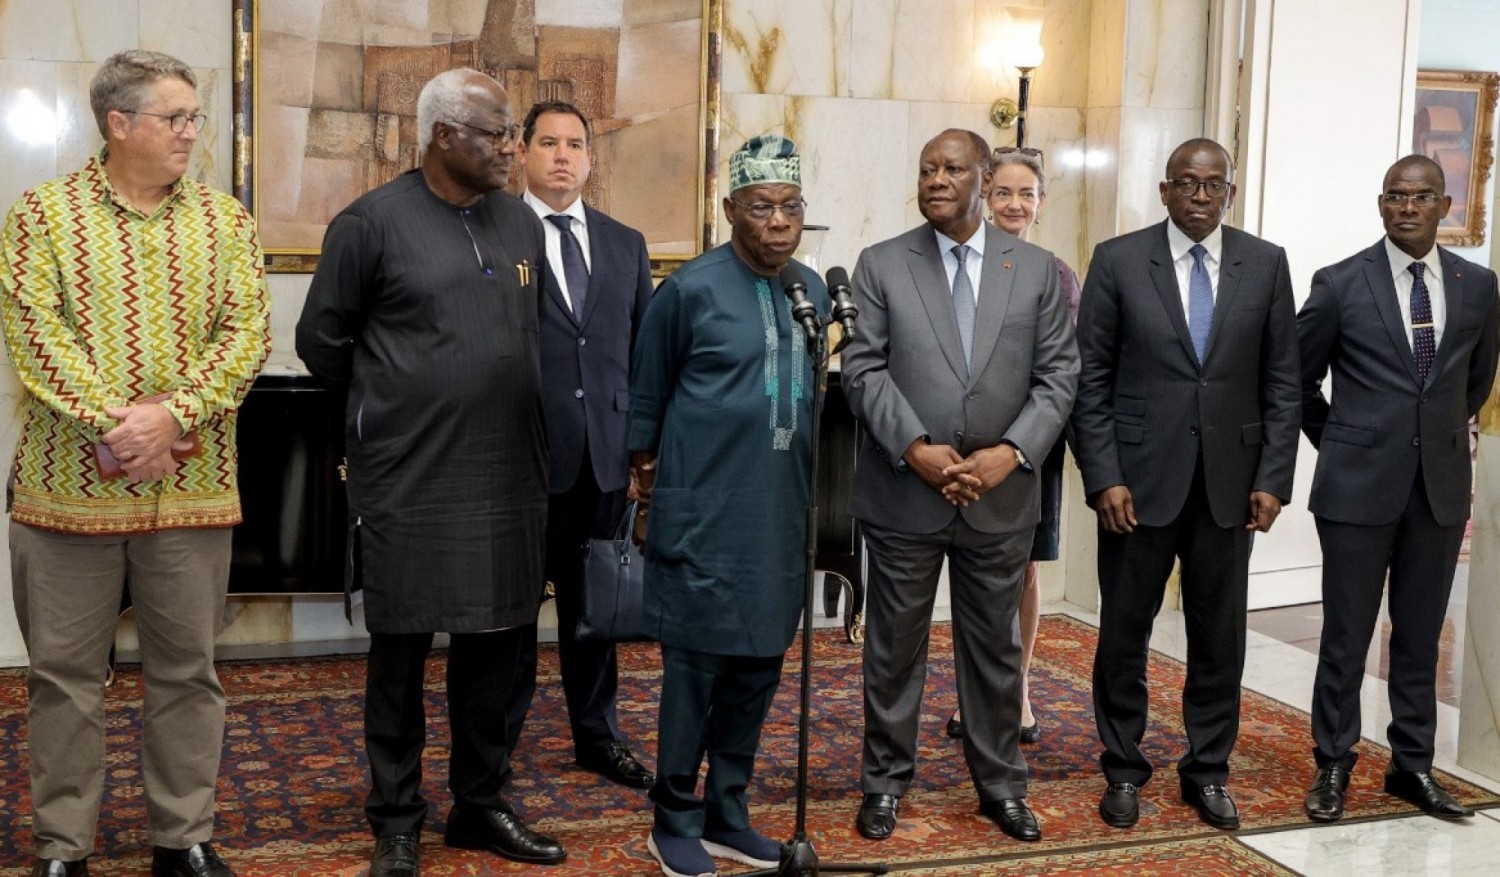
[[325, 97], [1455, 128]]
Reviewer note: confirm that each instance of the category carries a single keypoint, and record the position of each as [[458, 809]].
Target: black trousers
[[590, 674], [1420, 555], [1133, 572], [480, 669]]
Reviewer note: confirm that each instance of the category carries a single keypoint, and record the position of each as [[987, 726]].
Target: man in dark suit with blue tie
[[596, 294], [1186, 434], [1409, 332]]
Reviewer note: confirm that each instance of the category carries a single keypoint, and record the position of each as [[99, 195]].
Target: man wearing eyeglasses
[[1186, 435], [424, 306], [721, 454], [595, 297], [1409, 332], [962, 373], [135, 313]]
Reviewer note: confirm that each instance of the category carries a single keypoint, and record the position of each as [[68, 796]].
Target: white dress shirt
[[554, 238], [1433, 276], [1182, 259]]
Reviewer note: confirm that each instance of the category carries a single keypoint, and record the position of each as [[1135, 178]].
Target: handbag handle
[[622, 529]]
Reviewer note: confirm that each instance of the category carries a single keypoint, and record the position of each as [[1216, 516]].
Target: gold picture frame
[[324, 108], [1454, 124]]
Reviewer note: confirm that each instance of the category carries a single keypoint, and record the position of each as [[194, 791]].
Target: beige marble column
[[1479, 717]]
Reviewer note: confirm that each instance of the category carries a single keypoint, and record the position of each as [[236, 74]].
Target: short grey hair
[[1032, 159], [124, 82], [442, 100]]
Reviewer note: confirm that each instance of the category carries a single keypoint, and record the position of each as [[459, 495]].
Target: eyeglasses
[[760, 211], [1188, 188], [498, 139], [1401, 199], [178, 122], [484, 265]]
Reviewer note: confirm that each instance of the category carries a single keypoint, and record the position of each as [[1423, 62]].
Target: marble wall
[[860, 84]]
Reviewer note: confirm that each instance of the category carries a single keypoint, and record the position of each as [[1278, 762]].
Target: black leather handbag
[[610, 599]]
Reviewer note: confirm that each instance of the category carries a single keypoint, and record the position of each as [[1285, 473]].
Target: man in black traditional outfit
[[721, 440], [425, 303]]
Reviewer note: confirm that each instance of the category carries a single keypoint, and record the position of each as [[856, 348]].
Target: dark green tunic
[[722, 389]]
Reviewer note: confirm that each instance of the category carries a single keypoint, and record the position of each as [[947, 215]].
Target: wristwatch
[[1021, 461]]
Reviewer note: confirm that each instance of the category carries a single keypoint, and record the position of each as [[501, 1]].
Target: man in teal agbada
[[721, 440]]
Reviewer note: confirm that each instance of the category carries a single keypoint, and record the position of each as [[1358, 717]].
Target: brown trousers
[[67, 595]]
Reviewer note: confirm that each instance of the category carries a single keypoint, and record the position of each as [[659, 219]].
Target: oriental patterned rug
[[293, 775]]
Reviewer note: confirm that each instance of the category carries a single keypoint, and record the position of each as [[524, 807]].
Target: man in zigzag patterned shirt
[[135, 313]]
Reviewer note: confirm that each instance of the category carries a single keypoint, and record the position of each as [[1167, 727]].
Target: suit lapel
[[1453, 298], [1383, 291], [1230, 269], [931, 281], [598, 254], [997, 279], [1164, 277]]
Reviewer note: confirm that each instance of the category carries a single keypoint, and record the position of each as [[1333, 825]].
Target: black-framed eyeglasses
[[499, 139], [1189, 187], [760, 211], [484, 265], [1400, 199], [178, 122]]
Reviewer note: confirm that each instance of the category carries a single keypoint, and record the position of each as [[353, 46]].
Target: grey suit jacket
[[1147, 408], [1383, 421], [905, 376]]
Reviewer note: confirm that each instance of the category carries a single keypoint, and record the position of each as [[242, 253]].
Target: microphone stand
[[800, 859]]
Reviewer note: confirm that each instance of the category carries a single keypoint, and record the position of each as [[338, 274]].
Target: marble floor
[[1418, 845]]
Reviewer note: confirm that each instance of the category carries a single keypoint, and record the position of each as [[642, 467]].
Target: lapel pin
[[1005, 265]]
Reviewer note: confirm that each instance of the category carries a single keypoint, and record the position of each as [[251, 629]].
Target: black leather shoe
[[1120, 806], [59, 868], [1418, 787], [615, 763], [955, 728], [395, 856], [1031, 733], [500, 832], [1213, 804], [1014, 817], [1325, 800], [198, 860], [877, 816]]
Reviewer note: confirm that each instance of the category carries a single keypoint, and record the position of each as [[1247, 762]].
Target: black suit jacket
[[1383, 421], [1146, 408], [586, 360]]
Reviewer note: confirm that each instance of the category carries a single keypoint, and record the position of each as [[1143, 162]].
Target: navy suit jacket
[[1147, 408], [586, 359], [1382, 421]]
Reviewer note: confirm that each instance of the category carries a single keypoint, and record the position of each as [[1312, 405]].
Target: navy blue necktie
[[1200, 302], [574, 268], [1423, 336]]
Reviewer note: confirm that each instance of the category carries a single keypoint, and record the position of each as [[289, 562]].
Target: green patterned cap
[[769, 158]]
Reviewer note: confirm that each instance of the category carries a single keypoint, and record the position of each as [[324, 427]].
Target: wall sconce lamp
[[1025, 55]]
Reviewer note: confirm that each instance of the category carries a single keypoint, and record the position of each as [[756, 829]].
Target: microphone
[[844, 308], [803, 310]]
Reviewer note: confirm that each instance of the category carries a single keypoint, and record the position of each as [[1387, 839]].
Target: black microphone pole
[[800, 859]]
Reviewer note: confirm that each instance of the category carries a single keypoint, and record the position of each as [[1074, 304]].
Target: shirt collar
[[1401, 262], [975, 241], [1180, 243], [574, 210], [104, 190]]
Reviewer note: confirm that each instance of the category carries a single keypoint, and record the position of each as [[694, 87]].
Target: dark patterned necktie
[[1423, 338], [574, 268]]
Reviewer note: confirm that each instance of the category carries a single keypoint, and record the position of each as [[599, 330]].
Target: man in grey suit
[[595, 296], [1409, 331], [1186, 434], [959, 392]]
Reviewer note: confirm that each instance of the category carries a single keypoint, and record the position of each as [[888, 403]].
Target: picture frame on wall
[[325, 98], [1455, 112]]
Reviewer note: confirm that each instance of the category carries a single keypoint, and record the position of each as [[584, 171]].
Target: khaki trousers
[[67, 595]]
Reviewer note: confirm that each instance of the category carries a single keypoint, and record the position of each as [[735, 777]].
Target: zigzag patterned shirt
[[103, 305]]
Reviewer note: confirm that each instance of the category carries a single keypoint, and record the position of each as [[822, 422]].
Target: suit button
[[582, 341], [1416, 442], [959, 436], [1203, 383], [578, 394], [973, 396], [1424, 397], [1193, 430]]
